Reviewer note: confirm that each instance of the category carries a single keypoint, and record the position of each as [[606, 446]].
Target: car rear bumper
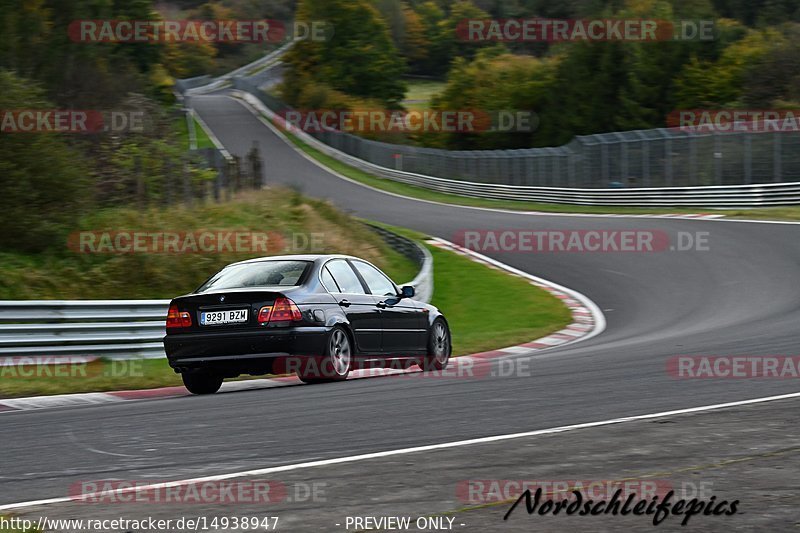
[[242, 352]]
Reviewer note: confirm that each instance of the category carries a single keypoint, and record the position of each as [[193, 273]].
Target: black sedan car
[[317, 315]]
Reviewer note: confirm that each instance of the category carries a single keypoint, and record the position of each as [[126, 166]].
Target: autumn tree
[[359, 59]]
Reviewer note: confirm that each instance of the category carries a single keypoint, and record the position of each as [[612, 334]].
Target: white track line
[[214, 140], [401, 451]]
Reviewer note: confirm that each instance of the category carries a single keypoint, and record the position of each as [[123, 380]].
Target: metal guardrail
[[206, 84], [127, 329], [423, 282], [716, 196], [181, 86], [108, 328]]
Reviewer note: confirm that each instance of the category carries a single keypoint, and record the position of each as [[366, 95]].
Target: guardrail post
[[571, 169], [557, 169], [717, 159], [624, 162], [748, 159], [777, 167], [541, 179], [668, 161]]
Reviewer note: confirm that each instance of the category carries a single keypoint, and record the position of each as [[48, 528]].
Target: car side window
[[327, 280], [345, 278], [376, 280]]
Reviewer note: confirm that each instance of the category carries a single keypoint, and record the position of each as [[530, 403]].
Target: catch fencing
[[658, 167]]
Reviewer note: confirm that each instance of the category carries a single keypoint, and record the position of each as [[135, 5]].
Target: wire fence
[[197, 176], [663, 157]]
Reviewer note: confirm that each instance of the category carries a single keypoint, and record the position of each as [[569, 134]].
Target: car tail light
[[283, 310], [263, 314], [177, 318]]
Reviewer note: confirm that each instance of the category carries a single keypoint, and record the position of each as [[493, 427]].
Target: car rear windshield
[[259, 274]]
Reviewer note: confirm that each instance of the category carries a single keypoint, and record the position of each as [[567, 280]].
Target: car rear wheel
[[439, 347], [199, 383], [334, 365]]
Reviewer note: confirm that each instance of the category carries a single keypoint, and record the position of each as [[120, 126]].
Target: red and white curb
[[587, 321]]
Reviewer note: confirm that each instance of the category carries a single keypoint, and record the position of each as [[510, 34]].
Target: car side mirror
[[408, 291]]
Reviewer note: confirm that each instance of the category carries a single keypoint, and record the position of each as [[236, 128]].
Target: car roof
[[299, 257]]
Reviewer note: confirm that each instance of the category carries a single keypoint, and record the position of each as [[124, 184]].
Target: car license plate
[[213, 318]]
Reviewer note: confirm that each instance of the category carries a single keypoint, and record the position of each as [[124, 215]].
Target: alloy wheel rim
[[340, 352], [440, 343]]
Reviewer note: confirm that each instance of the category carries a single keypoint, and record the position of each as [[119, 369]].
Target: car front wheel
[[439, 347]]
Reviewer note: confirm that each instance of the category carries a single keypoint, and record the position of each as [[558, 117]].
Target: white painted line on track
[[401, 451], [214, 140]]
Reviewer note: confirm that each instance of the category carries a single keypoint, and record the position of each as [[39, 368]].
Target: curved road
[[741, 297]]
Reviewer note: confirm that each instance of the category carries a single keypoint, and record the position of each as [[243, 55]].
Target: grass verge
[[420, 92], [467, 292], [202, 138], [766, 213], [292, 223]]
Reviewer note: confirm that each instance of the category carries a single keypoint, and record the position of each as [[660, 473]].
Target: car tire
[[335, 365], [200, 383], [439, 347]]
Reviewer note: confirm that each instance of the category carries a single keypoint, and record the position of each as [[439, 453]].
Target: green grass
[[67, 273], [202, 138], [420, 92], [467, 292], [766, 213], [97, 376]]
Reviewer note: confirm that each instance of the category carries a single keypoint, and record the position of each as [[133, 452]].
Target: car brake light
[[283, 310], [178, 319]]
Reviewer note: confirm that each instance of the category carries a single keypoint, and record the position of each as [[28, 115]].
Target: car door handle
[[381, 305], [344, 303]]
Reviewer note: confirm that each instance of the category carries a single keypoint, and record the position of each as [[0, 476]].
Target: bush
[[44, 183]]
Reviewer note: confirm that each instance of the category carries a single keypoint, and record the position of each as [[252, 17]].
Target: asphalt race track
[[740, 297]]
